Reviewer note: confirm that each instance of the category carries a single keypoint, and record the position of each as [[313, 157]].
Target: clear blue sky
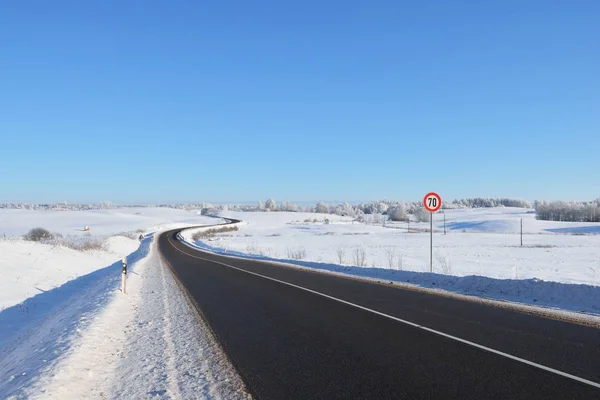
[[149, 101]]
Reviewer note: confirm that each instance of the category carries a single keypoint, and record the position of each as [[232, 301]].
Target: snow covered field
[[102, 222], [66, 330], [479, 255], [31, 268]]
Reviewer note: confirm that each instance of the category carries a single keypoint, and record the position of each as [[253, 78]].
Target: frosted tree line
[[367, 211], [574, 211], [481, 202]]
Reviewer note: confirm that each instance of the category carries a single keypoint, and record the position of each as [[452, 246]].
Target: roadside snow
[[36, 333], [552, 270], [66, 331], [144, 344], [30, 268]]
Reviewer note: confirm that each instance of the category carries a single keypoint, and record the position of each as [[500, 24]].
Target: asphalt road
[[297, 334]]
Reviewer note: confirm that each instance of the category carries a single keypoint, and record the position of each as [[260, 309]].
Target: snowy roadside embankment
[[556, 271], [32, 268], [92, 341], [36, 333]]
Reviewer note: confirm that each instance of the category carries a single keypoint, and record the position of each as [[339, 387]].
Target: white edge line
[[479, 346]]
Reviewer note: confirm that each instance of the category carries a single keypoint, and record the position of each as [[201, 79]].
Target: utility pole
[[521, 232], [444, 222]]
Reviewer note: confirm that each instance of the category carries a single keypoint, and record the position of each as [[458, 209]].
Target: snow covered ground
[[480, 254], [102, 222], [31, 268], [67, 331]]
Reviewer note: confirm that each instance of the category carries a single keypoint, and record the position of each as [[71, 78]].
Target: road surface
[[298, 334]]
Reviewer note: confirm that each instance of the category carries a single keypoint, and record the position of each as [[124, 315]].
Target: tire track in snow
[[169, 352], [171, 369]]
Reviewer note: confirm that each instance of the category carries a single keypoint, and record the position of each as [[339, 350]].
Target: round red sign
[[432, 202]]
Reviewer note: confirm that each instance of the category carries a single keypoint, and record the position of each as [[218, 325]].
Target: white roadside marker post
[[432, 202], [124, 276]]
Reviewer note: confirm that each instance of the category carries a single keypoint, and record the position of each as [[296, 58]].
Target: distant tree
[[422, 215], [567, 211], [38, 234], [397, 213], [261, 206], [347, 209], [322, 208], [271, 205], [287, 206]]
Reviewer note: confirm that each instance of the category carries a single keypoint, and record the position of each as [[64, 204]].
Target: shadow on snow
[[35, 333], [573, 297]]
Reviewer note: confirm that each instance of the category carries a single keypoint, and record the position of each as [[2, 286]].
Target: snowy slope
[[145, 344], [64, 322]]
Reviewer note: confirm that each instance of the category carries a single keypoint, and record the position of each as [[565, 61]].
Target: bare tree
[[359, 257], [391, 255], [341, 254]]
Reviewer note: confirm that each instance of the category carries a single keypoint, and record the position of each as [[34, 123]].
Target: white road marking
[[479, 346]]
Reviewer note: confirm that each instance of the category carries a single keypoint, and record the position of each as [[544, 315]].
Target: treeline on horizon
[[572, 211]]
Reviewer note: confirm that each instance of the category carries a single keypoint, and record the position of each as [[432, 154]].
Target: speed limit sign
[[432, 202]]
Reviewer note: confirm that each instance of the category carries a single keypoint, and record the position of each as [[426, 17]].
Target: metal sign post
[[430, 242], [432, 202]]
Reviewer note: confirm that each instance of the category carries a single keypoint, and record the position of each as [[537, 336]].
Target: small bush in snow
[[397, 213], [213, 231], [79, 243], [38, 234], [341, 255], [400, 262], [444, 263], [376, 218], [130, 235], [422, 215], [299, 254], [359, 257], [391, 255], [252, 249]]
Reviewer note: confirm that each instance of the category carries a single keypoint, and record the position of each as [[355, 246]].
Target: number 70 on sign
[[432, 202]]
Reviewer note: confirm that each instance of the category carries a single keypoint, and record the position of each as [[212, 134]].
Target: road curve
[[298, 334]]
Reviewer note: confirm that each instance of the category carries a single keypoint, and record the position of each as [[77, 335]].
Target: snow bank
[[30, 268], [34, 334], [144, 344]]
